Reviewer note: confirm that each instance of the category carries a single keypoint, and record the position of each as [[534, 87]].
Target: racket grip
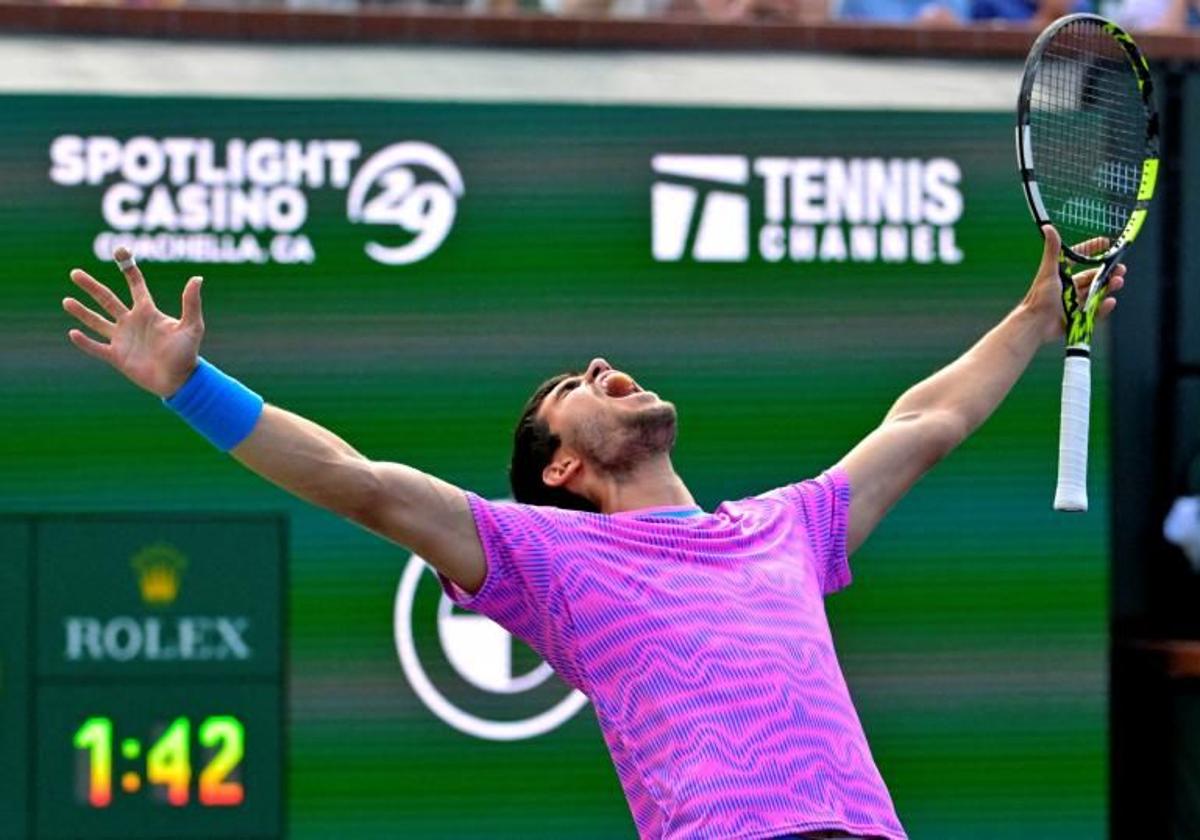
[[1073, 434]]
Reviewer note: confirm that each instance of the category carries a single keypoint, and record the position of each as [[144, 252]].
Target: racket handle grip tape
[[1071, 494]]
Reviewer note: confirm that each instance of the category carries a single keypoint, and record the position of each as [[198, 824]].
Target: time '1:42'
[[168, 764]]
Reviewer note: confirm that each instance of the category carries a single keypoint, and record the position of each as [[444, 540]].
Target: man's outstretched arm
[[937, 414], [160, 354], [403, 504]]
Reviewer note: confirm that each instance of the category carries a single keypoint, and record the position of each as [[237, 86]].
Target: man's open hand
[[1045, 296], [151, 348]]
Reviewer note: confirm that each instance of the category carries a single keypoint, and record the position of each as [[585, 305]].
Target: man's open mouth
[[616, 384]]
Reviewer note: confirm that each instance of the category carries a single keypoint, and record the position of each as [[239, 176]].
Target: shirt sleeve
[[520, 588], [822, 506]]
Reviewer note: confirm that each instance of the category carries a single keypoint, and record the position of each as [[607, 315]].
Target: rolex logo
[[159, 568]]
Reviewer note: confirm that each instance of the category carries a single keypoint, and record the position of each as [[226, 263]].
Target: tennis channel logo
[[246, 201], [469, 671], [732, 208]]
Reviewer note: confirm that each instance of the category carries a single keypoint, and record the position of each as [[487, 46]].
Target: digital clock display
[[169, 766], [182, 760], [156, 677]]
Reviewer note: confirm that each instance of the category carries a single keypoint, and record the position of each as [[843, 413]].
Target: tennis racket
[[1087, 147]]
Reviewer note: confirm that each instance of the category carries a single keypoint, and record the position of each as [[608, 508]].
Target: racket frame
[[1071, 493], [1025, 159]]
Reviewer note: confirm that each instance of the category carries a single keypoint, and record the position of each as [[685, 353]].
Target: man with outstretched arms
[[700, 637]]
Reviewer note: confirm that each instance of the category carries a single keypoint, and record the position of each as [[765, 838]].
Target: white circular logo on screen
[[412, 188], [480, 652]]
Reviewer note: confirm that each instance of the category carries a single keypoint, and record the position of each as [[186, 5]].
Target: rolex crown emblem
[[159, 569]]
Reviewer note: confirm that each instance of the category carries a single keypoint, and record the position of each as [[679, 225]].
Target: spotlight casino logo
[[246, 201]]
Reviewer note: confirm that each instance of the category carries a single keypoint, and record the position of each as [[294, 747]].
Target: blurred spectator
[[1153, 15], [1182, 528], [719, 11], [129, 4], [1182, 525], [1038, 13], [606, 8], [764, 11], [929, 12], [1016, 10]]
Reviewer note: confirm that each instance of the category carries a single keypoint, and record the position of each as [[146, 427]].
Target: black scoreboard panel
[[143, 658]]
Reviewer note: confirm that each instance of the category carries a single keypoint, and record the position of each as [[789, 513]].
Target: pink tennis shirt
[[702, 641]]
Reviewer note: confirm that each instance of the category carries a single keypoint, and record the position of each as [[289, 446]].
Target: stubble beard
[[619, 444]]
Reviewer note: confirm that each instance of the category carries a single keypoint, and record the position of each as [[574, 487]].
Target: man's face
[[606, 418]]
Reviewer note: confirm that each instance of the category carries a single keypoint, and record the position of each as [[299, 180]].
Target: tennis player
[[700, 636]]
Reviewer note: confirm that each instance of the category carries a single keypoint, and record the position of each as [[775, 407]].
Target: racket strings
[[1087, 132]]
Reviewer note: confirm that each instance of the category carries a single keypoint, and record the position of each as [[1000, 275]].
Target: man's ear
[[562, 469]]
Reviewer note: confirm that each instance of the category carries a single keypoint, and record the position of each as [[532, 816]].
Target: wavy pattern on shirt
[[704, 645]]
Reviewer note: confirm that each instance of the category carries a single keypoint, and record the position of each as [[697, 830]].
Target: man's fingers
[[100, 293], [1095, 245], [133, 274], [192, 314], [90, 345], [89, 318], [1083, 279], [1050, 248]]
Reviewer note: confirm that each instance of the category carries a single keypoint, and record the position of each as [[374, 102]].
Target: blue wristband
[[217, 406]]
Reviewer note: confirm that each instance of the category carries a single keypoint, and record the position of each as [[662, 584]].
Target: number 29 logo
[[413, 187]]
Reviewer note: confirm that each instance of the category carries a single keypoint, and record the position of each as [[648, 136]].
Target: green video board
[[405, 273]]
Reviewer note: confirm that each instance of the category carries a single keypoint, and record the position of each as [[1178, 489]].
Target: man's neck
[[653, 484]]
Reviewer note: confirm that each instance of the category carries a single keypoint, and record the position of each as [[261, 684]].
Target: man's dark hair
[[533, 447]]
